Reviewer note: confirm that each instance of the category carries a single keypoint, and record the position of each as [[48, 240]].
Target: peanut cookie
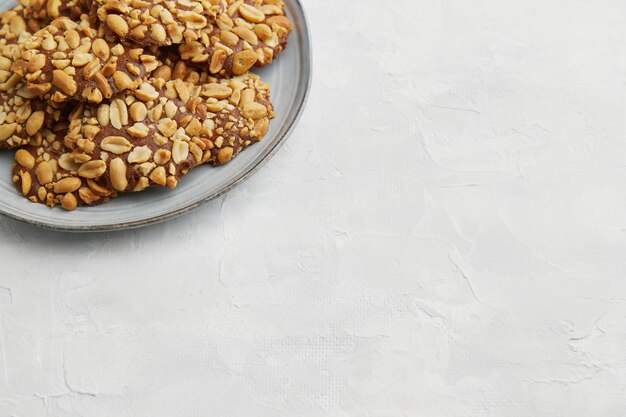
[[157, 22], [151, 136], [250, 33], [70, 60], [46, 174]]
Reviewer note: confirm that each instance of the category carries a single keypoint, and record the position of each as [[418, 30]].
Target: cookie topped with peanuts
[[70, 60], [227, 37], [250, 33], [155, 134], [157, 22]]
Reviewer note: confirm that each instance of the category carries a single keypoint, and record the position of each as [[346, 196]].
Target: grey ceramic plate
[[289, 77]]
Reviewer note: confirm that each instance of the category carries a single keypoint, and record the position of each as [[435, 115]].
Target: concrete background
[[442, 236]]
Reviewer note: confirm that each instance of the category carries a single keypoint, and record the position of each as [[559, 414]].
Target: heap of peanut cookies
[[102, 97]]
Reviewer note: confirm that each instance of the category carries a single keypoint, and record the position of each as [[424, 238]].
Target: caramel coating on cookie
[[69, 60]]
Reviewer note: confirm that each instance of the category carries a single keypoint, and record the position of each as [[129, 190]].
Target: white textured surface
[[444, 235]]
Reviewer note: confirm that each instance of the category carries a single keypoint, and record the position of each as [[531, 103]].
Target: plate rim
[[240, 178]]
